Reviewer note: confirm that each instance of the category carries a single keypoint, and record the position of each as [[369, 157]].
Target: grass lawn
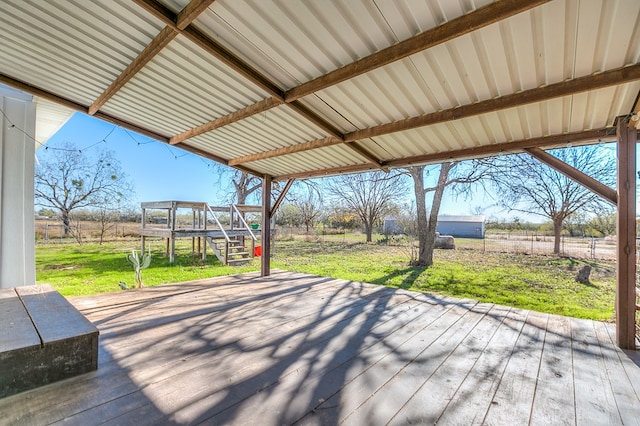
[[76, 270], [541, 283]]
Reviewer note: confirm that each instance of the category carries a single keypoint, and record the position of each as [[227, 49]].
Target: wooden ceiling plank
[[458, 27], [574, 174], [233, 117], [591, 82]]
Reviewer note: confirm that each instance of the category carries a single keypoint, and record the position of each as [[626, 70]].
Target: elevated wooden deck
[[295, 348], [196, 233]]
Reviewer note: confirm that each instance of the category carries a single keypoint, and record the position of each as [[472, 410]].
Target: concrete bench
[[44, 339]]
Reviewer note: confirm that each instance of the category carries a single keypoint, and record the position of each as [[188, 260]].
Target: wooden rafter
[[565, 88], [465, 24], [44, 94], [227, 119], [553, 141], [305, 146], [160, 41], [68, 103], [211, 47], [455, 28], [221, 53]]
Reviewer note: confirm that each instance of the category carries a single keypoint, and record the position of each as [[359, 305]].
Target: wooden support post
[[265, 260], [626, 245]]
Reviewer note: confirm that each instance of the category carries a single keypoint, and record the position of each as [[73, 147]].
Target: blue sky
[[158, 171], [161, 172]]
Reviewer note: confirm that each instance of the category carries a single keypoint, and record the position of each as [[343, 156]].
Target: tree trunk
[[368, 229], [417, 173], [427, 228], [66, 222], [557, 234]]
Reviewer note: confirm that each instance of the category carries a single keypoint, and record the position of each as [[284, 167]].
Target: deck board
[[314, 350]]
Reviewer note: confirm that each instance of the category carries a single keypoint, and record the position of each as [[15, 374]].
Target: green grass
[[76, 270], [541, 283]]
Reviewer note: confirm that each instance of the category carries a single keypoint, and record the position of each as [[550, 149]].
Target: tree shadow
[[290, 348]]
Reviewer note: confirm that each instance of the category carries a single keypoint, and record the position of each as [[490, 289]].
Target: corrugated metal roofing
[[218, 84]]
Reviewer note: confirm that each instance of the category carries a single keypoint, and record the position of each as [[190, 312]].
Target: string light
[[104, 140]]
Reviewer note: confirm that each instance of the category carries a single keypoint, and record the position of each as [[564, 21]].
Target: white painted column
[[17, 153]]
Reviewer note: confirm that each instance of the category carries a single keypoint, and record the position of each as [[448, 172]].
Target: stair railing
[[226, 236], [248, 228], [244, 222]]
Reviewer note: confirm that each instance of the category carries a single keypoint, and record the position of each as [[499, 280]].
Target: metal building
[[461, 226]]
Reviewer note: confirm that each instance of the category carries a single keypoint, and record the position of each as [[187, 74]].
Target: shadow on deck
[[294, 348]]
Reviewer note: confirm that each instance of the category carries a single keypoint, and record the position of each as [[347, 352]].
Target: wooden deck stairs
[[236, 245], [231, 251]]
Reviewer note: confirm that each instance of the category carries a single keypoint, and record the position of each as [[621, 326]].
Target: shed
[[461, 226]]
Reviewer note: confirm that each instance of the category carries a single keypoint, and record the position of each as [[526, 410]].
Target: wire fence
[[53, 231], [538, 243]]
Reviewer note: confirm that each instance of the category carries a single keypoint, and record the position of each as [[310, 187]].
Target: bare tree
[[369, 195], [527, 185], [67, 179], [426, 226], [244, 185], [308, 203]]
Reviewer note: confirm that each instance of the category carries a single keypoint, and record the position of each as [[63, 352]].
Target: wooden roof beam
[[458, 27], [44, 94], [597, 81], [213, 48], [68, 103], [221, 53], [233, 117], [552, 141], [463, 25], [565, 88], [159, 42]]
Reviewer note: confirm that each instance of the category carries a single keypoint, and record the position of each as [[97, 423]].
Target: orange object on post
[[257, 251]]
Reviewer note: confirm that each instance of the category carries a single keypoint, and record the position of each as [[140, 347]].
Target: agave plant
[[139, 263]]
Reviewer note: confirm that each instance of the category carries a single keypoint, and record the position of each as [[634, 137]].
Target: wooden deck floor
[[303, 349]]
